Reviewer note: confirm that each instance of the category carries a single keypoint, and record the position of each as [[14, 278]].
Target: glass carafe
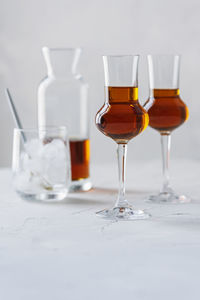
[[63, 101]]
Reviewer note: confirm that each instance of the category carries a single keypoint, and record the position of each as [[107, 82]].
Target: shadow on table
[[81, 201], [100, 190], [97, 195], [69, 200]]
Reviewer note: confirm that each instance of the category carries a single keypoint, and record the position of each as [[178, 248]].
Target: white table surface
[[63, 251]]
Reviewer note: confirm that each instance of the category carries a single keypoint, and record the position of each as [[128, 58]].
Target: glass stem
[[165, 145], [121, 156]]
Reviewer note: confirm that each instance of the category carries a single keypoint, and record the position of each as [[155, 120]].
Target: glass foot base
[[48, 197], [168, 198], [82, 185], [123, 213]]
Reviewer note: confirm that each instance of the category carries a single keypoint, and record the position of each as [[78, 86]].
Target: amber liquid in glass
[[121, 117], [168, 111], [80, 157]]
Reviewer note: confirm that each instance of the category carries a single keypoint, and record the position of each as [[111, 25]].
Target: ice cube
[[53, 148], [54, 160], [59, 143], [27, 182], [44, 164], [33, 164], [34, 147]]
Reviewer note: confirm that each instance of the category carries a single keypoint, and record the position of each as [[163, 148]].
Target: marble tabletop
[[63, 251]]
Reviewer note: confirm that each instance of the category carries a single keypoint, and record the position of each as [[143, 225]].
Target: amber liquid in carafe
[[121, 117], [80, 157], [168, 111]]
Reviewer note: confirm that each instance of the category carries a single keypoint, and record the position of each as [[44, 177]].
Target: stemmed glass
[[166, 112], [121, 118]]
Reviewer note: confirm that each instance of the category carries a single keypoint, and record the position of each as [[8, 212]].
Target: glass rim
[[164, 54], [42, 128], [121, 55], [45, 48]]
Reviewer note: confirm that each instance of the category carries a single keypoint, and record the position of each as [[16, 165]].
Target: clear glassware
[[121, 118], [63, 100], [41, 163], [166, 112]]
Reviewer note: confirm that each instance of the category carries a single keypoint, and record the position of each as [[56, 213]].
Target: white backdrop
[[104, 26]]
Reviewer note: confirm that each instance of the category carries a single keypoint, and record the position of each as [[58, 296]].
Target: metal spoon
[[18, 124], [15, 114]]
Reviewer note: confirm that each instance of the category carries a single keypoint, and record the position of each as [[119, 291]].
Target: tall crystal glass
[[121, 118], [166, 113]]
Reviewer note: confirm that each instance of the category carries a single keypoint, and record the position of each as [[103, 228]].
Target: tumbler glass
[[41, 163]]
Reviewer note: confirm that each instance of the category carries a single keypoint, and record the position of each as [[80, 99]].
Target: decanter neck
[[61, 62]]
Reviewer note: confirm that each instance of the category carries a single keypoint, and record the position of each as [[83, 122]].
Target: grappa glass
[[166, 112], [121, 118]]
